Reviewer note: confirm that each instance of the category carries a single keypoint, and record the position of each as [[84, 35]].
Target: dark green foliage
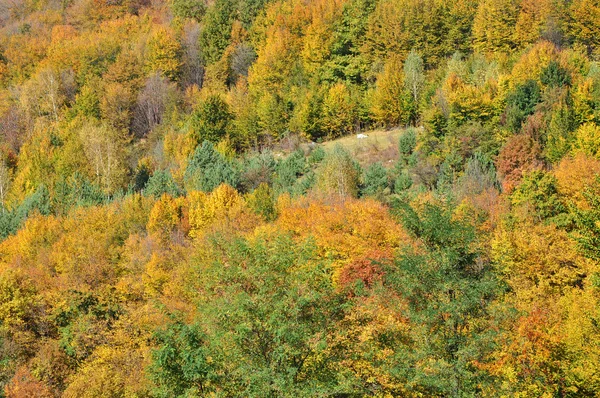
[[216, 31], [248, 10], [559, 134], [448, 171], [12, 220], [403, 182], [207, 169], [180, 367], [448, 287], [316, 156], [161, 183], [346, 62], [305, 183], [407, 142], [211, 120], [526, 96], [375, 180], [85, 311], [555, 75], [289, 170], [521, 103], [141, 177], [76, 191]]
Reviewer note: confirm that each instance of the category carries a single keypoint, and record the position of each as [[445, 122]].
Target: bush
[[375, 180]]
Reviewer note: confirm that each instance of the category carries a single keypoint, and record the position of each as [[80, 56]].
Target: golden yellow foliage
[[342, 231], [574, 174], [223, 209], [587, 140], [531, 64]]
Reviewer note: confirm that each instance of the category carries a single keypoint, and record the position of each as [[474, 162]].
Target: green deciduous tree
[[180, 366], [269, 307], [449, 288]]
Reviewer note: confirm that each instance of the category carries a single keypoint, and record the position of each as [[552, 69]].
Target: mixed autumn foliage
[[172, 225]]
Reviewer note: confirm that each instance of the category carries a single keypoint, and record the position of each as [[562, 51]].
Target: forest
[[181, 214]]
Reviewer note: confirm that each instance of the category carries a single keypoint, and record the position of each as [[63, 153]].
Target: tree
[[414, 75], [164, 217], [538, 190], [581, 27], [180, 364], [164, 54], [216, 33], [339, 111], [207, 169], [587, 140], [105, 150], [288, 171], [519, 155], [534, 21], [339, 174], [211, 120], [223, 210], [194, 9], [494, 26], [449, 289], [193, 64], [46, 93], [115, 106], [435, 27], [587, 222], [392, 104], [161, 182], [521, 103], [554, 75], [573, 175], [5, 181], [375, 180], [262, 202], [152, 104], [269, 307]]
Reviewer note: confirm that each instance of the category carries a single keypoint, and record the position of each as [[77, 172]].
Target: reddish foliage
[[24, 385], [520, 154], [366, 268]]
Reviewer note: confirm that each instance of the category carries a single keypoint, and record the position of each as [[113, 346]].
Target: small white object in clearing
[[361, 136]]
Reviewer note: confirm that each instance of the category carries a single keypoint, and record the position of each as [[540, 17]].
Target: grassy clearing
[[379, 146]]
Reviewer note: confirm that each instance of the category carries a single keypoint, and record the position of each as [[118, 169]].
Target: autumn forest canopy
[[186, 209]]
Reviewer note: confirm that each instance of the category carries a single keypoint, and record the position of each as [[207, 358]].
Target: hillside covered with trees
[[175, 223]]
